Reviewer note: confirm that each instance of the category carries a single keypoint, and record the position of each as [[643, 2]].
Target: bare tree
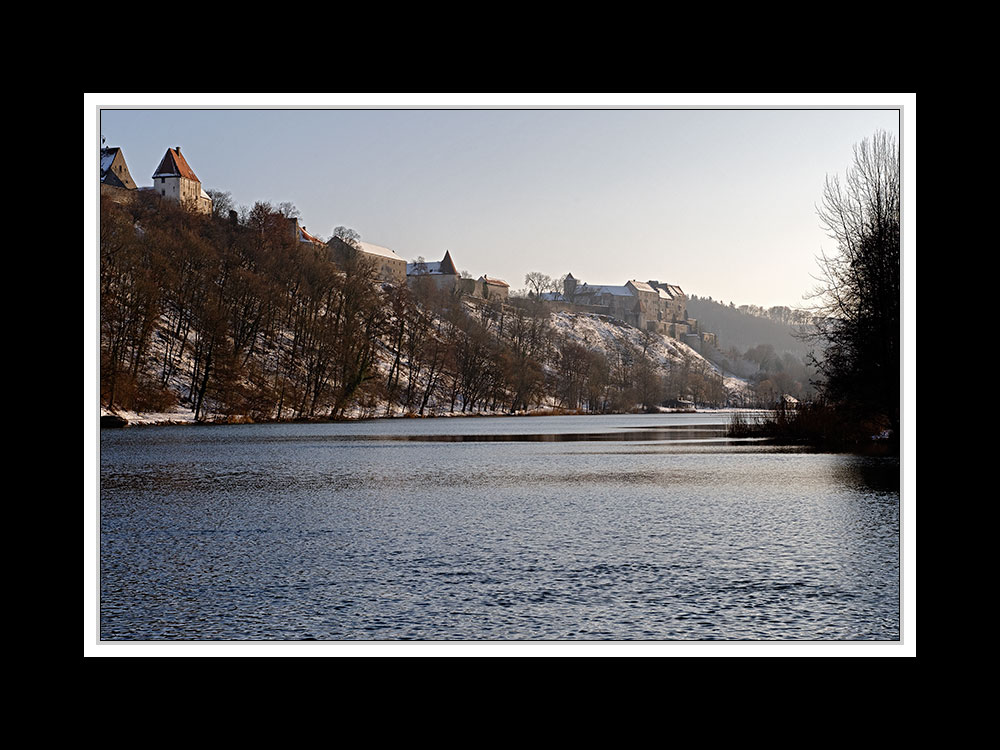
[[350, 236], [857, 299], [222, 202], [538, 282]]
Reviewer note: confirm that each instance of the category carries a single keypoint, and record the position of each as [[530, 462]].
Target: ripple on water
[[298, 533]]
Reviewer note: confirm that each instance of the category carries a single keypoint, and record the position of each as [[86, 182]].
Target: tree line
[[234, 318], [228, 312], [780, 314], [747, 326]]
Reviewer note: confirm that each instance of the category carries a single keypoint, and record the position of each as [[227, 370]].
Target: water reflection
[[870, 473], [644, 528], [647, 433]]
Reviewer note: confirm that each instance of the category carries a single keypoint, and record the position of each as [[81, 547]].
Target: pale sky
[[720, 199]]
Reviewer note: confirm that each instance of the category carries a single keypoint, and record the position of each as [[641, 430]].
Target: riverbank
[[122, 418]]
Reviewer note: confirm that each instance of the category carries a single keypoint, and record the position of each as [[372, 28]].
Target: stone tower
[[175, 179], [569, 287]]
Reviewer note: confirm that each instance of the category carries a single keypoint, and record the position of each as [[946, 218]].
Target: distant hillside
[[735, 327]]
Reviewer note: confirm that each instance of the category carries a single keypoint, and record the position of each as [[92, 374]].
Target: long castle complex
[[648, 305]]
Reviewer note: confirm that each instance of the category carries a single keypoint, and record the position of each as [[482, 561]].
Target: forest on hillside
[[232, 318], [742, 327], [769, 347]]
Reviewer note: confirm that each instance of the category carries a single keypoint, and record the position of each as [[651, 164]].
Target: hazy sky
[[721, 202]]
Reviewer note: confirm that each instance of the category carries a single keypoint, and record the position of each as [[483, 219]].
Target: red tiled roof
[[497, 282], [173, 164], [308, 237]]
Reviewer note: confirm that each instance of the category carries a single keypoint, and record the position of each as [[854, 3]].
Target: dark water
[[652, 527]]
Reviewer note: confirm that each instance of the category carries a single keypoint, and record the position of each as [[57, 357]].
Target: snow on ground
[[596, 332], [604, 334], [178, 416]]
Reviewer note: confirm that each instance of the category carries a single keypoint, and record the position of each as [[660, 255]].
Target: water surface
[[635, 527]]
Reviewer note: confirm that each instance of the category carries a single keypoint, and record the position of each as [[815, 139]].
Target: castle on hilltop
[[648, 305], [173, 179], [442, 275]]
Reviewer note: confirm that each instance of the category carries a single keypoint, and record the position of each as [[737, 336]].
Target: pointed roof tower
[[174, 165], [447, 265]]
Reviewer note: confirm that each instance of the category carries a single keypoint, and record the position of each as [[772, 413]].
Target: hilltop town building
[[389, 267], [114, 171], [175, 179], [491, 289], [442, 274], [301, 235], [649, 305]]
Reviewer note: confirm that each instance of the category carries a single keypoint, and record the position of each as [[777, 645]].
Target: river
[[578, 528]]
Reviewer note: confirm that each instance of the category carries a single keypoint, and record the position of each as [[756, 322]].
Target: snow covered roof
[[443, 267], [107, 156], [174, 165], [371, 249], [642, 286], [425, 268], [667, 291], [495, 282], [615, 291], [114, 170]]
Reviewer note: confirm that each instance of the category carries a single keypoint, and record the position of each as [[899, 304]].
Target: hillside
[[626, 370], [677, 363], [212, 319], [737, 329]]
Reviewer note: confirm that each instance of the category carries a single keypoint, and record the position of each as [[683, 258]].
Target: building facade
[[492, 289], [388, 267], [174, 179], [303, 237], [114, 170], [442, 274], [649, 305]]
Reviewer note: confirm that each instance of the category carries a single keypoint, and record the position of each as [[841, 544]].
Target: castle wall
[[571, 307]]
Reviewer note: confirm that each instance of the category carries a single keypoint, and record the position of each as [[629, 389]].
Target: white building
[[175, 179], [388, 266], [442, 273]]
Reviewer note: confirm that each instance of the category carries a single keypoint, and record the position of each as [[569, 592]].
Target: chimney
[[177, 149]]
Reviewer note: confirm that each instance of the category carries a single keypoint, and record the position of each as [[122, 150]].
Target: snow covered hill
[[608, 335], [672, 361]]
